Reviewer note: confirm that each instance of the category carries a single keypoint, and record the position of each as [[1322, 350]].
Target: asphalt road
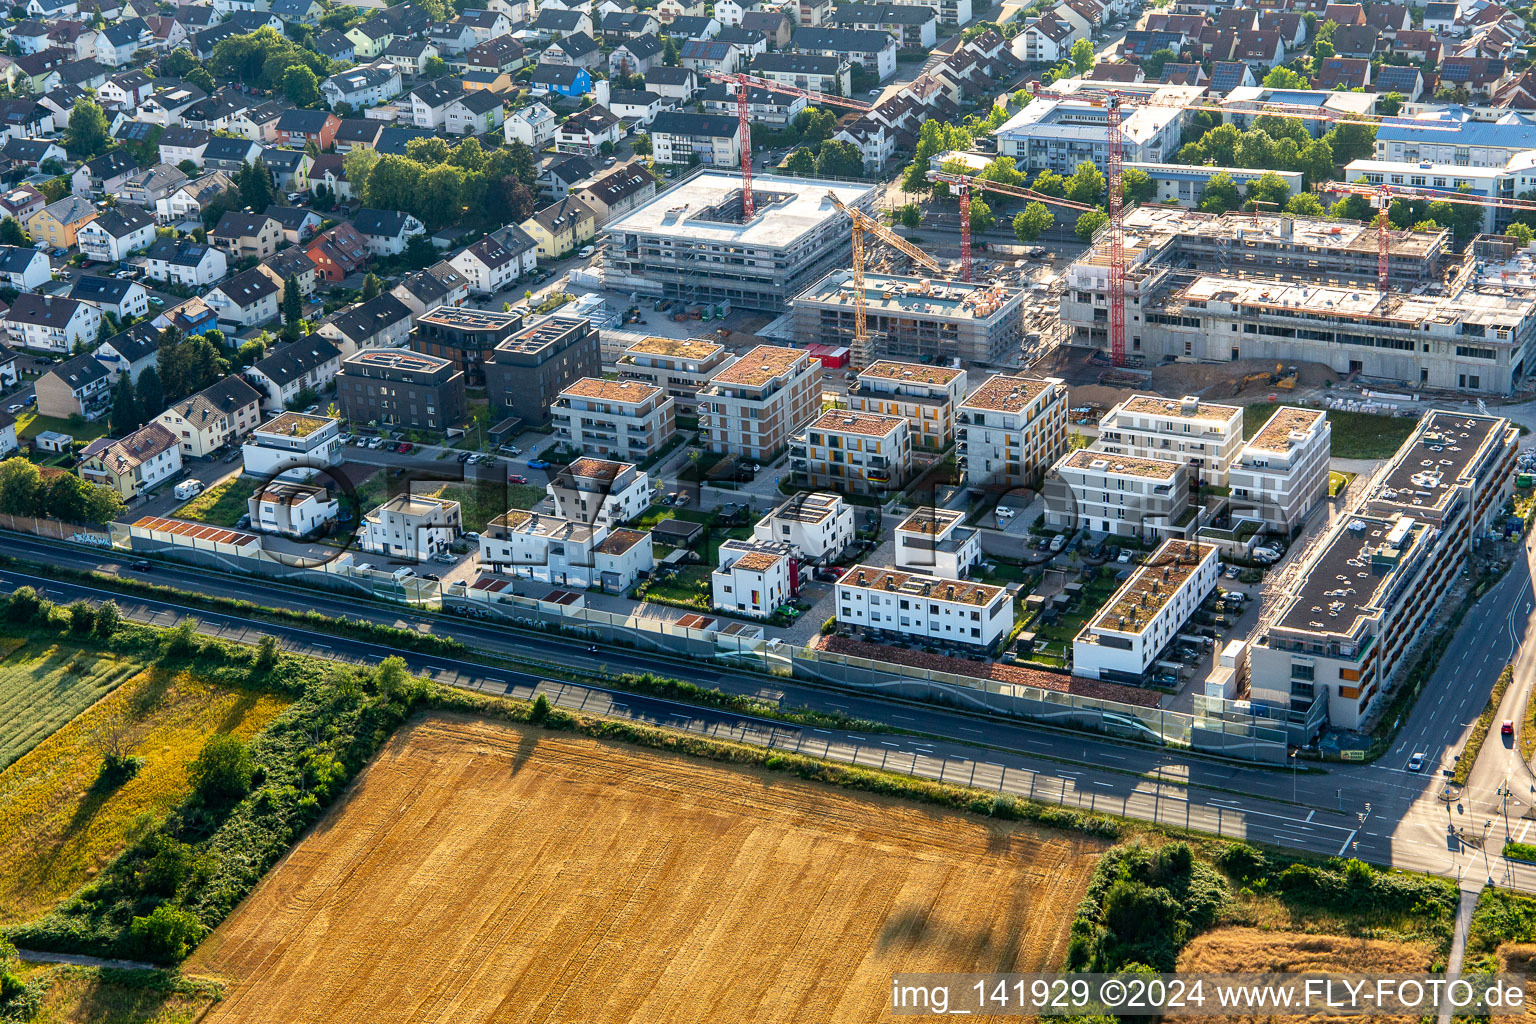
[[1379, 812]]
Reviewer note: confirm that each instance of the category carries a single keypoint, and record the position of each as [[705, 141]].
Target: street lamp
[[1294, 758]]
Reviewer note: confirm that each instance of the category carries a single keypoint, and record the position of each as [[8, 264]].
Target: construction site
[[913, 318]]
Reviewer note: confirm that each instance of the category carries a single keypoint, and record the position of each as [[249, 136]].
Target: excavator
[[1279, 377]]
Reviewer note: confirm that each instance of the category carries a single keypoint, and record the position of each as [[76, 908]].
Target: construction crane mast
[[964, 183], [1383, 194], [862, 222], [744, 120], [1116, 235]]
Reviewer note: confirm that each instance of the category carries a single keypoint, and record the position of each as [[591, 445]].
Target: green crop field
[[43, 686]]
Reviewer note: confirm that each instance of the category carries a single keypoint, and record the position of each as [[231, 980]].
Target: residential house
[[103, 175], [808, 71], [776, 26], [168, 104], [411, 527], [410, 56], [133, 465], [429, 102], [47, 323], [32, 153], [130, 352], [555, 24], [579, 50], [561, 227], [502, 55], [354, 132], [191, 198], [668, 11], [297, 127], [227, 153], [764, 106], [677, 83], [116, 233], [338, 253], [248, 299], [241, 234], [639, 108], [485, 25], [309, 364], [219, 415], [564, 173], [1342, 72], [23, 268], [489, 266], [635, 56], [184, 262], [59, 223], [116, 44], [560, 78], [75, 387], [585, 131], [126, 91], [677, 137], [298, 222], [146, 188], [452, 38], [914, 27], [533, 125], [292, 262], [25, 119], [475, 113], [364, 86], [178, 143], [336, 46], [874, 49], [439, 285], [122, 298], [370, 38], [387, 232], [620, 26], [712, 55], [381, 322]]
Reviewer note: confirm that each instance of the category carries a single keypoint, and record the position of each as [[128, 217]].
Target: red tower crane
[[744, 118], [963, 183], [1116, 234]]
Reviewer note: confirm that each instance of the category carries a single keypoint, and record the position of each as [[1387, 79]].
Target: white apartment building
[[1371, 587], [926, 396], [679, 367], [627, 419], [753, 578], [852, 452], [892, 603], [293, 446], [816, 525], [1208, 437], [1283, 472], [1119, 495], [291, 509], [560, 551], [752, 406], [44, 323], [411, 527], [1125, 640], [936, 542], [599, 492], [1011, 430]]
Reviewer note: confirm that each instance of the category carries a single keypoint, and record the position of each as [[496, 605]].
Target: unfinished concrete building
[[914, 318]]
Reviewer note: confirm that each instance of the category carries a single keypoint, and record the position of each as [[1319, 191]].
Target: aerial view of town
[[784, 511]]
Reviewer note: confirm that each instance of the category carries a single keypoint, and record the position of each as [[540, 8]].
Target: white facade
[[599, 492], [191, 266], [411, 527], [552, 549], [753, 578], [1283, 472], [937, 542], [1207, 437], [908, 604], [626, 419], [102, 246], [1011, 429], [82, 326], [816, 525], [292, 446], [533, 125], [1123, 642], [1118, 494], [26, 269], [291, 510]]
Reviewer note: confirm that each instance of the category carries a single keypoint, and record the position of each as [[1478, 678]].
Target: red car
[[1507, 729], [516, 478], [404, 447]]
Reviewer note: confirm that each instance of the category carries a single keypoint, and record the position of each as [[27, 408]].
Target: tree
[[151, 397], [1464, 219], [1521, 233], [293, 309], [815, 125], [839, 160], [800, 163], [124, 417], [1284, 78], [1390, 104], [11, 233], [1136, 186], [428, 152], [223, 769], [1305, 204], [1220, 195], [1086, 184], [669, 54], [301, 86], [261, 59], [1089, 222], [167, 933], [1316, 162], [1032, 221], [910, 216], [1050, 183], [435, 67], [20, 486], [1352, 208], [371, 287], [1268, 191], [1082, 56], [254, 183], [470, 155], [357, 165], [982, 217], [393, 183], [933, 139], [177, 63], [89, 133], [1004, 170], [1352, 141], [1152, 65], [641, 144]]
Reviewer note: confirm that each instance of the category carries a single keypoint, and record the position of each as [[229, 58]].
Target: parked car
[[538, 464], [1125, 557], [585, 251], [1058, 542], [405, 448], [516, 478], [465, 456], [1003, 512]]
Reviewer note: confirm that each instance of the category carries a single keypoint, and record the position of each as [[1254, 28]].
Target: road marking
[[1106, 785], [1523, 832], [1345, 845], [1311, 813], [824, 732]]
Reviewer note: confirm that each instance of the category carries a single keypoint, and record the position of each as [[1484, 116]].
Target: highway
[[1379, 812]]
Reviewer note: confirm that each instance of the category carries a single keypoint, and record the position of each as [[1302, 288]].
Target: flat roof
[[929, 520], [760, 365], [933, 588], [1007, 393], [1275, 434], [679, 348], [471, 319], [788, 209], [868, 424], [1344, 582], [414, 504], [598, 469], [600, 388], [1124, 465], [1151, 587], [916, 373], [913, 295], [536, 525], [1363, 304], [1438, 457], [758, 561], [294, 424], [1188, 408], [620, 541], [397, 359], [807, 508]]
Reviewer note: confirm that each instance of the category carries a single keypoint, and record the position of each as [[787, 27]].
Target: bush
[[223, 769], [540, 709], [829, 627], [166, 933], [266, 652], [117, 768], [182, 641], [1243, 863], [107, 618], [82, 617], [24, 605]]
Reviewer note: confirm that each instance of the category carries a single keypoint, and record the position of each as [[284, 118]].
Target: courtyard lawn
[[222, 505], [1356, 435]]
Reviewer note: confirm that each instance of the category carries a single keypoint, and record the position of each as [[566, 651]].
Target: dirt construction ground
[[481, 872]]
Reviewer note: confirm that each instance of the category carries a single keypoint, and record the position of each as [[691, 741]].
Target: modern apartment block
[[852, 452], [1206, 436], [680, 367], [396, 387], [1128, 636], [936, 541], [914, 318], [530, 368], [624, 419], [890, 603], [1120, 495], [751, 407], [691, 243], [1010, 430], [815, 524], [753, 578], [926, 396], [293, 446], [599, 492], [411, 527], [291, 509], [1370, 588], [1282, 473], [464, 335], [561, 551]]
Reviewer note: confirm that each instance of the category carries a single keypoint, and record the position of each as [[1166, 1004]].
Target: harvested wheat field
[[478, 871], [1258, 951]]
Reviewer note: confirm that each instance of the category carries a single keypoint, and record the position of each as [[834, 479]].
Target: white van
[[188, 489]]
